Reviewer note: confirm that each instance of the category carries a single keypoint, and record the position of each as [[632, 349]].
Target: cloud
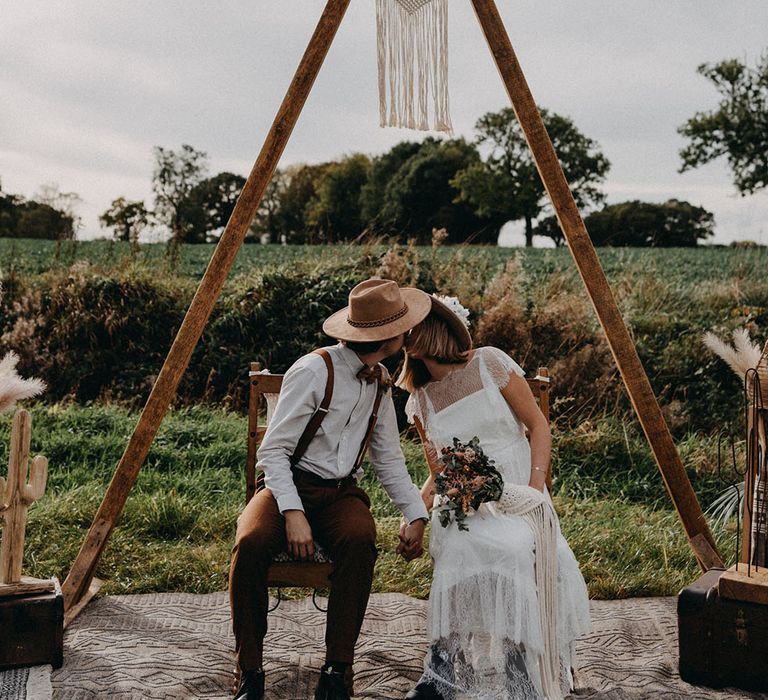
[[90, 88]]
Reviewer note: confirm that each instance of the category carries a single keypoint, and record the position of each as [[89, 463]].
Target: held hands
[[301, 544], [411, 537]]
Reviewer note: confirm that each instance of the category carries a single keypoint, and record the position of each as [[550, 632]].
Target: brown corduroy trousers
[[342, 523]]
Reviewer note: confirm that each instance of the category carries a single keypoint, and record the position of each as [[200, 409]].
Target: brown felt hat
[[378, 310]]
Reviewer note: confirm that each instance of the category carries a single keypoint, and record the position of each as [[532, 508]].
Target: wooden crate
[[32, 629], [723, 642]]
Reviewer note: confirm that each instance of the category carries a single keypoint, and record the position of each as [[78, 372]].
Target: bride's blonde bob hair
[[432, 339]]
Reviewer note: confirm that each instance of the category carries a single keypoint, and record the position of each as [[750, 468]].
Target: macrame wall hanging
[[412, 38]]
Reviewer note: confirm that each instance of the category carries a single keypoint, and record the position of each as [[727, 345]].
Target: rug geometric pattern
[[26, 683], [176, 645]]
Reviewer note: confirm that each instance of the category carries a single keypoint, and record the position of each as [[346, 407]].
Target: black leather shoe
[[331, 685], [251, 686], [424, 691]]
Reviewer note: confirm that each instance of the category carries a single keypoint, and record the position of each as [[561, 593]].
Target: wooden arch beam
[[164, 389], [82, 572], [621, 344]]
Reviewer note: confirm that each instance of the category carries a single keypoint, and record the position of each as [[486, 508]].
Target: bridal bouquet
[[468, 479]]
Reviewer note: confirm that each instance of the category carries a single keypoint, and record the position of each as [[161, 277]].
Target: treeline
[[469, 190], [49, 215]]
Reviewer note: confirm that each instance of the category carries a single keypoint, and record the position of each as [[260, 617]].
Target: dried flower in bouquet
[[469, 478]]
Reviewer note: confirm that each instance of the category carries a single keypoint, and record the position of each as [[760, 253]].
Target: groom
[[311, 475]]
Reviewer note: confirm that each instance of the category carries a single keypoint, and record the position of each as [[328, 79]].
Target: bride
[[494, 632]]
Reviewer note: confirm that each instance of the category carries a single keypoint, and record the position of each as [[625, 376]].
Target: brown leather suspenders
[[319, 415], [381, 388], [322, 410]]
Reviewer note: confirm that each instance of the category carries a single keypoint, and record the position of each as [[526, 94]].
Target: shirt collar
[[351, 358]]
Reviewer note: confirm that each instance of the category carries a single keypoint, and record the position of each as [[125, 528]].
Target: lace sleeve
[[500, 366], [412, 408]]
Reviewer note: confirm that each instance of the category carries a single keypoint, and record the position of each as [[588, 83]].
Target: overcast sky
[[88, 88]]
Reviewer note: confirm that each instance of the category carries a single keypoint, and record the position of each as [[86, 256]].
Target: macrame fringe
[[412, 40], [534, 507]]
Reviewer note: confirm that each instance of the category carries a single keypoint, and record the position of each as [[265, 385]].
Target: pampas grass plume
[[12, 387], [743, 356]]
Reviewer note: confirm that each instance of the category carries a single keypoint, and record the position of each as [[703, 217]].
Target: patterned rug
[[170, 646], [26, 684]]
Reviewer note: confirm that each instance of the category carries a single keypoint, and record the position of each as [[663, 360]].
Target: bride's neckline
[[458, 368]]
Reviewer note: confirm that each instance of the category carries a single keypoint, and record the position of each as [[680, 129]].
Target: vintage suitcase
[[723, 642], [32, 629]]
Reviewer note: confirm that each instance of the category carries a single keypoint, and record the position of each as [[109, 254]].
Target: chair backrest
[[540, 389], [262, 385]]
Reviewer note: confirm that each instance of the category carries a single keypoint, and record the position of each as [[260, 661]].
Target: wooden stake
[[84, 567], [78, 607], [754, 480], [619, 340]]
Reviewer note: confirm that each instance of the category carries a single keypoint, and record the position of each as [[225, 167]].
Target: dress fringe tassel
[[534, 507]]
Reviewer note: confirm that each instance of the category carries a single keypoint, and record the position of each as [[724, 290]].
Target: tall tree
[[421, 196], [9, 214], [175, 175], [208, 206], [66, 202], [20, 218], [507, 187], [295, 199], [383, 169], [333, 212], [38, 220], [268, 220], [126, 218], [737, 129]]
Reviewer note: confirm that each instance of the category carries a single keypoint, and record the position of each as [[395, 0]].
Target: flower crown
[[454, 305]]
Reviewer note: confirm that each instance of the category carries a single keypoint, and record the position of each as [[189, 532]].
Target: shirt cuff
[[416, 511], [289, 502]]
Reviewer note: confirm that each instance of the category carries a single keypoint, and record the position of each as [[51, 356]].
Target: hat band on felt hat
[[380, 321]]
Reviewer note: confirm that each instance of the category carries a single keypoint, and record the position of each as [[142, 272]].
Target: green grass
[[177, 528], [675, 265]]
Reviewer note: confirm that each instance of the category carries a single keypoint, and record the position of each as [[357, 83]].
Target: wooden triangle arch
[[638, 387]]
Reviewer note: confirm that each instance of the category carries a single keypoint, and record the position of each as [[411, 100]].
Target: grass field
[[95, 320], [177, 528], [681, 265]]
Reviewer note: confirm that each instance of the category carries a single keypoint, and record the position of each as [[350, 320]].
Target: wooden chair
[[264, 389], [284, 571]]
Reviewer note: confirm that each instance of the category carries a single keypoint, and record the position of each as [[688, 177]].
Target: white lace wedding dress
[[483, 616]]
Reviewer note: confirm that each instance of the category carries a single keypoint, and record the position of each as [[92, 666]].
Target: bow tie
[[374, 374]]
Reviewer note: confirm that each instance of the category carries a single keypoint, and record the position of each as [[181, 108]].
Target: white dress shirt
[[332, 452]]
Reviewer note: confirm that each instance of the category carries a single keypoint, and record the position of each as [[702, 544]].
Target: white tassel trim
[[412, 42], [534, 507]]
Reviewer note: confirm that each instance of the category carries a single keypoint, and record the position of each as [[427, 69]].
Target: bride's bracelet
[[539, 469]]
